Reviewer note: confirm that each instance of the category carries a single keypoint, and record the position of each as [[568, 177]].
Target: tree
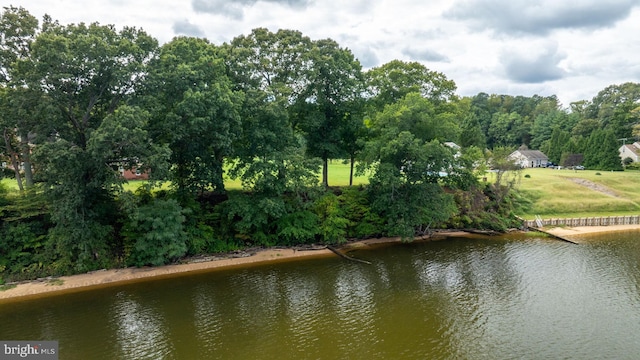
[[405, 188], [18, 29], [409, 160], [330, 102], [270, 69], [195, 112], [584, 127], [394, 80], [419, 116], [157, 233], [86, 74], [507, 173], [557, 145], [601, 151], [546, 122], [503, 130], [613, 107], [353, 136], [471, 132]]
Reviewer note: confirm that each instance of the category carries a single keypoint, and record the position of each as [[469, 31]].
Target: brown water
[[500, 298]]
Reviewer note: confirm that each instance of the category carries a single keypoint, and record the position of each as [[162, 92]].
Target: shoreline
[[588, 230], [113, 277]]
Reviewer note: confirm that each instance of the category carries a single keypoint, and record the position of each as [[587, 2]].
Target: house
[[455, 148], [529, 158], [631, 151], [133, 173]]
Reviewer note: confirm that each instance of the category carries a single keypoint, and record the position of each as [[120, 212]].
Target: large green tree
[[409, 161], [601, 151], [394, 80], [86, 73], [330, 103], [195, 112], [613, 107], [270, 69], [18, 29]]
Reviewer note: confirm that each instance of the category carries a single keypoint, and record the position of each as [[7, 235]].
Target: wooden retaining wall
[[586, 221]]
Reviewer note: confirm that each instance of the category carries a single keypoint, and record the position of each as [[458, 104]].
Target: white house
[[631, 151], [529, 158]]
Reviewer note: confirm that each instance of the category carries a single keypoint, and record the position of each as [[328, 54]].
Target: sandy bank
[[569, 232], [103, 278], [119, 276]]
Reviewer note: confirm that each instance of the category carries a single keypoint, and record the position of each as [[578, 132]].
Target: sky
[[569, 48]]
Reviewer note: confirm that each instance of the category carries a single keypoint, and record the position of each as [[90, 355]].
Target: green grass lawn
[[555, 194], [338, 176]]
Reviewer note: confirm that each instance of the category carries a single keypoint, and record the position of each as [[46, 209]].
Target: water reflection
[[208, 320], [355, 308], [140, 332], [461, 298]]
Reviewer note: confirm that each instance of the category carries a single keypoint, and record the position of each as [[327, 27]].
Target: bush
[[527, 176], [298, 227], [157, 233], [598, 173], [333, 224], [633, 166], [362, 221]]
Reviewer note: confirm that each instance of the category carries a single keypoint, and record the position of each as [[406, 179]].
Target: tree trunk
[[353, 160], [14, 159], [26, 159], [325, 172]]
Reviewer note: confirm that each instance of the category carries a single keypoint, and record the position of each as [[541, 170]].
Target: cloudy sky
[[570, 48]]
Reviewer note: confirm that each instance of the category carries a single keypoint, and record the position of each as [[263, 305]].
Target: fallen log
[[337, 252], [558, 237]]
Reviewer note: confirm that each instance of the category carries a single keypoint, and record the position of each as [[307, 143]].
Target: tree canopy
[[80, 104]]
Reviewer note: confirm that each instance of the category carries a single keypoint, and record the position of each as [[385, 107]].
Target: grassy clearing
[[338, 176], [555, 194]]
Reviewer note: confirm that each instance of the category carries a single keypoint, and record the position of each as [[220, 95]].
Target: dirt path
[[595, 187]]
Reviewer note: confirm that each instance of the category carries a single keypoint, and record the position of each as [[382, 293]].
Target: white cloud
[[540, 17], [539, 63], [517, 47], [185, 27]]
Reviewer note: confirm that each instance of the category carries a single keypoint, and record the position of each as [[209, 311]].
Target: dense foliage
[[81, 104]]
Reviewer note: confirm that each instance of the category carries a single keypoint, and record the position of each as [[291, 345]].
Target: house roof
[[452, 145], [632, 148], [532, 154]]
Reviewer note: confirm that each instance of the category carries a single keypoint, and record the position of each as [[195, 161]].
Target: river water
[[511, 297]]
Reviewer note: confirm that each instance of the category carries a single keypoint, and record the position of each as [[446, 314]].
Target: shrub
[[157, 233], [527, 176], [633, 166], [298, 227], [363, 222], [333, 224]]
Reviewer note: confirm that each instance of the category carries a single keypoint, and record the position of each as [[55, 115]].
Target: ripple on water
[[464, 298]]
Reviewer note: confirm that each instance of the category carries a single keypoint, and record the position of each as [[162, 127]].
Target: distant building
[[133, 174], [631, 151], [529, 158], [455, 148]]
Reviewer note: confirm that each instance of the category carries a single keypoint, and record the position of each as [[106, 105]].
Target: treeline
[[589, 133], [80, 102]]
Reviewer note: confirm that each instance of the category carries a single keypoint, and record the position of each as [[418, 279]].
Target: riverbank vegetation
[[238, 142]]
